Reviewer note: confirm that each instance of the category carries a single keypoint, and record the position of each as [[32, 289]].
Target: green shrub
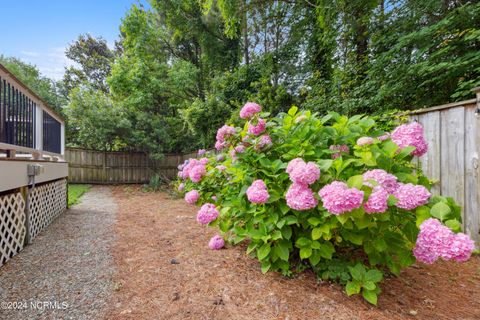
[[354, 247]]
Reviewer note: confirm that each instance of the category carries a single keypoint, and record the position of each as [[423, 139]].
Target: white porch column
[[38, 128], [62, 139]]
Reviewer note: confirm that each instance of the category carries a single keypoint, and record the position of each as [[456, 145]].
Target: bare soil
[[165, 270]]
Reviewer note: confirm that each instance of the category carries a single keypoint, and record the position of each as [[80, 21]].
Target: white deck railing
[[28, 125]]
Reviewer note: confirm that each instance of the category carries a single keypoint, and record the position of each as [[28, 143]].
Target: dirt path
[[154, 230], [68, 266]]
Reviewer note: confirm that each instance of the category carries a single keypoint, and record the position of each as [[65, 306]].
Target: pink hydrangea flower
[[233, 154], [249, 110], [411, 196], [181, 175], [377, 201], [214, 198], [220, 168], [384, 137], [300, 197], [181, 186], [223, 133], [363, 141], [197, 172], [264, 141], [340, 148], [257, 192], [303, 173], [384, 179], [437, 241], [220, 157], [293, 163], [201, 152], [247, 137], [216, 243], [207, 213], [192, 196], [203, 161], [190, 164], [257, 129], [337, 198], [300, 118], [460, 248], [220, 145], [431, 241], [411, 135], [240, 148]]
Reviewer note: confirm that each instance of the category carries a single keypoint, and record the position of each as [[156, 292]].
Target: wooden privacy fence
[[453, 135], [102, 167]]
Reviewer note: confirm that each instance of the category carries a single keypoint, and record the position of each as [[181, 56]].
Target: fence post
[[473, 174]]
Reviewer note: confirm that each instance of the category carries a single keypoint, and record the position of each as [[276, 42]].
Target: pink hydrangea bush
[[257, 192], [353, 206]]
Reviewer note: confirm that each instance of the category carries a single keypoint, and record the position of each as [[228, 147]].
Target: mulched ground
[[166, 271], [69, 266]]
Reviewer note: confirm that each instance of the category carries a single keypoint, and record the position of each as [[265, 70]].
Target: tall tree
[[170, 56], [93, 58]]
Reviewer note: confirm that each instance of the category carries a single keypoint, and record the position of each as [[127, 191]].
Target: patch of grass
[[75, 192]]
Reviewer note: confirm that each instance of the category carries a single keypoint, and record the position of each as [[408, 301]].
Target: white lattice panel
[[46, 202], [12, 225]]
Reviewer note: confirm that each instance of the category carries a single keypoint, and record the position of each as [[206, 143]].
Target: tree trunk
[[245, 34]]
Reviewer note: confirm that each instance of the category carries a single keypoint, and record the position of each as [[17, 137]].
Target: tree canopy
[[182, 68]]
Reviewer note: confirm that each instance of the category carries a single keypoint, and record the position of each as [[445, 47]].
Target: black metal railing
[[17, 116], [51, 134]]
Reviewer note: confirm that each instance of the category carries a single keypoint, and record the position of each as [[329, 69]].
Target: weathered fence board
[[472, 174], [453, 136], [430, 162], [452, 156]]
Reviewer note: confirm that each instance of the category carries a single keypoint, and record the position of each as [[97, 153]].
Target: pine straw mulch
[[166, 271]]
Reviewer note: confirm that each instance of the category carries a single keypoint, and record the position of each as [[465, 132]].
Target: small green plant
[[75, 192], [154, 184]]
